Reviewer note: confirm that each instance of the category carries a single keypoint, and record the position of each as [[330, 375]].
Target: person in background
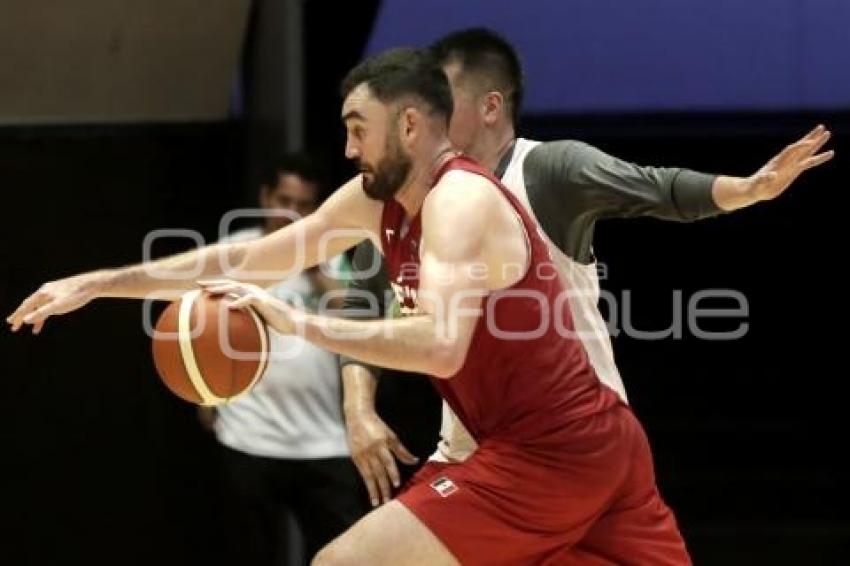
[[283, 444]]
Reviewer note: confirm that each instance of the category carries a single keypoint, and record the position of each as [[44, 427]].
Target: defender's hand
[[374, 447], [777, 174]]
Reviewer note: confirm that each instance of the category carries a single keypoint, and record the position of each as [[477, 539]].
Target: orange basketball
[[207, 353]]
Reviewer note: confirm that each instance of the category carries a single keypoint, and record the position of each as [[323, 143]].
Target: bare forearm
[[171, 276], [359, 386], [263, 261], [408, 344], [732, 193]]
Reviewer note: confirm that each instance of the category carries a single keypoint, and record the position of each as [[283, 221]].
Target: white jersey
[[582, 281], [295, 411]]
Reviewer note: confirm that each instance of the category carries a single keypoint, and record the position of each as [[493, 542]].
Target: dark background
[[102, 465]]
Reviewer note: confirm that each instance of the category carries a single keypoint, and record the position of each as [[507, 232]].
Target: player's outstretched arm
[[573, 184], [330, 230]]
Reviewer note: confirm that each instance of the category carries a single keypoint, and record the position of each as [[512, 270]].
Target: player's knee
[[335, 554]]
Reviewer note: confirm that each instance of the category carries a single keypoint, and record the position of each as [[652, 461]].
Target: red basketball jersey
[[526, 374]]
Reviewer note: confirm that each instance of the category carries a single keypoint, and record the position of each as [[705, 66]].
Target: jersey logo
[[406, 297], [390, 232], [444, 486]]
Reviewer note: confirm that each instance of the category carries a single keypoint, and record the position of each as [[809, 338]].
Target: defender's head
[[485, 74]]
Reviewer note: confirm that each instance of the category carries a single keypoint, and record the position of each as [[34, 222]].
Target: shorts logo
[[444, 486]]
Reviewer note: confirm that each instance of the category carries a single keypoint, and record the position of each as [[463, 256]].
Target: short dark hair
[[397, 73], [303, 165], [484, 52]]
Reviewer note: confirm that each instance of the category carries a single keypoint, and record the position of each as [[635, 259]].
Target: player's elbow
[[235, 256], [446, 358]]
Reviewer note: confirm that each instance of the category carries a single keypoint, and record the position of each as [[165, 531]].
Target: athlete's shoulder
[[557, 152], [563, 162], [461, 191]]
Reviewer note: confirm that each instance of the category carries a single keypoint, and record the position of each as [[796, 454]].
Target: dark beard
[[390, 175]]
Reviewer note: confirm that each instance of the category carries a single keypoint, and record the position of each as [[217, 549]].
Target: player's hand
[[55, 298], [275, 312], [374, 448], [777, 174]]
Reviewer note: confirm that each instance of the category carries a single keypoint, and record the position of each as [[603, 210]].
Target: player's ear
[[492, 106], [408, 122]]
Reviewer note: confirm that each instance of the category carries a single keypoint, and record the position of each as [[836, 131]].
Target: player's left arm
[[434, 341], [580, 180]]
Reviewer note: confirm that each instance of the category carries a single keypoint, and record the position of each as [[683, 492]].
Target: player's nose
[[351, 149]]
